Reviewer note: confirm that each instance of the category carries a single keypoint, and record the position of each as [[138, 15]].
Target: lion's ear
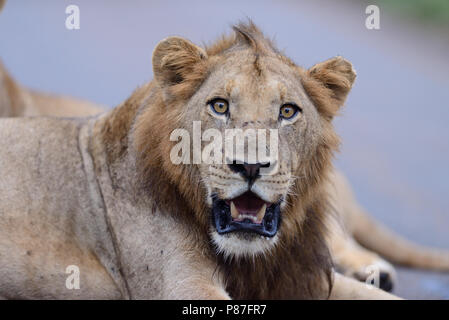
[[176, 60], [328, 83]]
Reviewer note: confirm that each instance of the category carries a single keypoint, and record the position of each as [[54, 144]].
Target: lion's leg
[[196, 288], [41, 261], [346, 288], [191, 276], [355, 261], [350, 258]]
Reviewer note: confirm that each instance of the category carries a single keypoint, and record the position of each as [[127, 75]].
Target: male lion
[[348, 225], [102, 194]]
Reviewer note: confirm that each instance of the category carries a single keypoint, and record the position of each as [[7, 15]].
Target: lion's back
[[37, 152], [44, 210], [41, 167]]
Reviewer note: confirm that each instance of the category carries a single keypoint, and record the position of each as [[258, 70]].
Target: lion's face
[[247, 196], [247, 191]]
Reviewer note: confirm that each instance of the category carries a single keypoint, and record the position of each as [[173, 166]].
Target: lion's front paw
[[379, 273]]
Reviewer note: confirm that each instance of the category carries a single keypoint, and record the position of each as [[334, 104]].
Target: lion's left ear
[[177, 60], [328, 83]]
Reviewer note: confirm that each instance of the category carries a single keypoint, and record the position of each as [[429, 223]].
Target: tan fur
[[101, 193]]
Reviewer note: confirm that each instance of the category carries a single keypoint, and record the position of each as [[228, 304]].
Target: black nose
[[249, 171]]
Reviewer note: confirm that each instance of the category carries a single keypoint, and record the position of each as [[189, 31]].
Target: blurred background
[[395, 126]]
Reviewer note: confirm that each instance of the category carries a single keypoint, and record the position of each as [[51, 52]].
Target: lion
[[101, 193], [350, 229]]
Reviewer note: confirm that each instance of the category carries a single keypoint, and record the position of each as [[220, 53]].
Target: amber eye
[[288, 111], [219, 106]]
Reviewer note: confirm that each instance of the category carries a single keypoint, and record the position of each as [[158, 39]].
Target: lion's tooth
[[261, 212], [234, 211]]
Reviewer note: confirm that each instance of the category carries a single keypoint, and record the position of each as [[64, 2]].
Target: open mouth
[[246, 213]]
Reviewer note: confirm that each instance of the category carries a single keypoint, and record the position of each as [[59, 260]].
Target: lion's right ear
[[177, 60]]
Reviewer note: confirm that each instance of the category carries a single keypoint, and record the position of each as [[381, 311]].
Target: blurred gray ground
[[395, 125]]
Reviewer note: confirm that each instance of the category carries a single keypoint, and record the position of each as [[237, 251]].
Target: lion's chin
[[240, 245]]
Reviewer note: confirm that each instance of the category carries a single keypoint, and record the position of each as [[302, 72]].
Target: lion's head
[[243, 82]]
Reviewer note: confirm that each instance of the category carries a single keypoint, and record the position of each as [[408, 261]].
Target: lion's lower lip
[[225, 223]]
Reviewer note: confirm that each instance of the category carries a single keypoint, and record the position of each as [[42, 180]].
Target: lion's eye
[[219, 106], [288, 111]]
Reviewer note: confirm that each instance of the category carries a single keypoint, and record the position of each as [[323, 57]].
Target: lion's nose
[[249, 171]]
